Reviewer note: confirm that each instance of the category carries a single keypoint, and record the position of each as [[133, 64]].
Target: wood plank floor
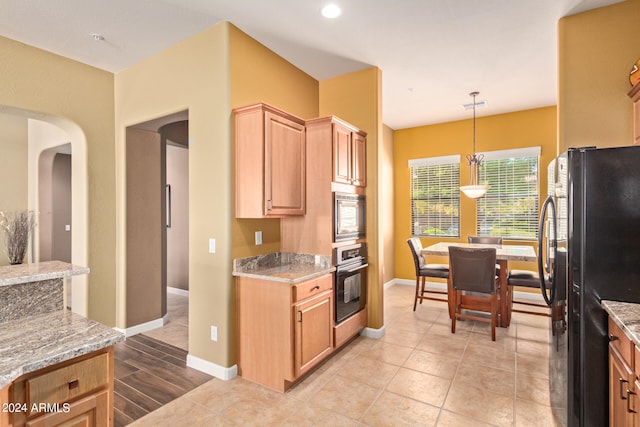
[[148, 374]]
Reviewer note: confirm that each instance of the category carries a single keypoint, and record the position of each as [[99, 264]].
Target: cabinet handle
[[316, 287], [300, 317], [622, 381], [613, 337], [629, 410], [74, 384]]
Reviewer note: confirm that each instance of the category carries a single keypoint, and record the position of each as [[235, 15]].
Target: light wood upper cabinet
[[634, 94], [270, 162], [359, 160], [349, 154]]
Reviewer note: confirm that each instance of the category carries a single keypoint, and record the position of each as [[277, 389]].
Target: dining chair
[[487, 240], [473, 270], [424, 270], [525, 279]]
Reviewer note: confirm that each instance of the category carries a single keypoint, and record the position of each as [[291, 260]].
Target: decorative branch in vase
[[17, 228]]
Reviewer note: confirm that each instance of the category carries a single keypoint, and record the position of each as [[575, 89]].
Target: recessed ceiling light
[[331, 11]]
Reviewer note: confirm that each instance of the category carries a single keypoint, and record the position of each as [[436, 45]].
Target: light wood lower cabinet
[[622, 379], [284, 330], [77, 392], [634, 94]]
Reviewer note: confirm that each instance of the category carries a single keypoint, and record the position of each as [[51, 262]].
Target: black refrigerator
[[592, 253]]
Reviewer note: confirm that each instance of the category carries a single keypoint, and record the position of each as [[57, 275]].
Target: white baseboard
[[177, 291], [373, 333], [517, 295], [211, 368], [143, 327]]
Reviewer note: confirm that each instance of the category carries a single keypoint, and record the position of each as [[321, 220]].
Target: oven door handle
[[360, 267]]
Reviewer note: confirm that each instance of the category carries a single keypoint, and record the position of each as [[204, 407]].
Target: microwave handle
[[360, 267]]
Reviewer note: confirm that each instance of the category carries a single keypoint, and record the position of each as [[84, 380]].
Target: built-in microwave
[[348, 216]]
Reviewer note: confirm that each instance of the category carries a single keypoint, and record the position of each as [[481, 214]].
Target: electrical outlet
[[214, 333], [258, 238]]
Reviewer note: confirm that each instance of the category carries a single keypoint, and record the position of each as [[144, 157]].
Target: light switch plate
[[67, 227], [258, 237], [212, 246]]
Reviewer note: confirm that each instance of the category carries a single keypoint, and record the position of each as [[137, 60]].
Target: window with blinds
[[435, 196], [510, 207]]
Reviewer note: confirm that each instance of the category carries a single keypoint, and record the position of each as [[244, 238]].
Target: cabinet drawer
[[312, 287], [68, 382], [622, 343]]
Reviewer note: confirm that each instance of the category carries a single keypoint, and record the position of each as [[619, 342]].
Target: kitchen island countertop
[[627, 316], [35, 342]]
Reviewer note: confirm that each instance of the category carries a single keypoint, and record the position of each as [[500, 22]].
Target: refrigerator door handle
[[552, 277]]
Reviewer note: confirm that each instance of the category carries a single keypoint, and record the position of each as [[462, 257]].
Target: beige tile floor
[[176, 329], [417, 374]]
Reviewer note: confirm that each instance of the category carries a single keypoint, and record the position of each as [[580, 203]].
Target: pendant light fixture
[[474, 190]]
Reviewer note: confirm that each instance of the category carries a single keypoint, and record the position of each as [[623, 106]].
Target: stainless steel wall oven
[[351, 280]]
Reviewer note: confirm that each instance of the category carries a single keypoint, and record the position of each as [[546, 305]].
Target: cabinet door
[[92, 411], [284, 181], [359, 160], [341, 154], [636, 120], [621, 390], [314, 331]]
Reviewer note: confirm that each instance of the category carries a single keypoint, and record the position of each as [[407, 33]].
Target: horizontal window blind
[[435, 196], [510, 207]]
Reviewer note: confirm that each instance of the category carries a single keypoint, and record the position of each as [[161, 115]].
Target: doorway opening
[[157, 215]]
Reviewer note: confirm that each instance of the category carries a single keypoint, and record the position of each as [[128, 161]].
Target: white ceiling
[[432, 53]]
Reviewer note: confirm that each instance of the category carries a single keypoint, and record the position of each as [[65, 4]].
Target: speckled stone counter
[[35, 342], [35, 329], [627, 316], [29, 289], [283, 267], [25, 273]]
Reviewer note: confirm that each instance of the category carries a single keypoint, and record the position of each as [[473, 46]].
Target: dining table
[[504, 254]]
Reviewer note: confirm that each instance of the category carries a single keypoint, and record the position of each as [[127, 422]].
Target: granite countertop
[[627, 316], [283, 267], [35, 342], [33, 272]]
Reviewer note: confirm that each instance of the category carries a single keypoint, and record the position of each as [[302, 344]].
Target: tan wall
[[356, 98], [386, 205], [528, 128], [145, 249], [596, 52], [191, 75], [178, 233], [61, 207], [13, 163], [43, 84], [259, 75]]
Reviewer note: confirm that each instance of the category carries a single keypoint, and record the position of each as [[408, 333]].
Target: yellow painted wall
[[528, 128], [387, 198], [192, 75], [259, 75], [50, 87], [596, 52], [357, 98]]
